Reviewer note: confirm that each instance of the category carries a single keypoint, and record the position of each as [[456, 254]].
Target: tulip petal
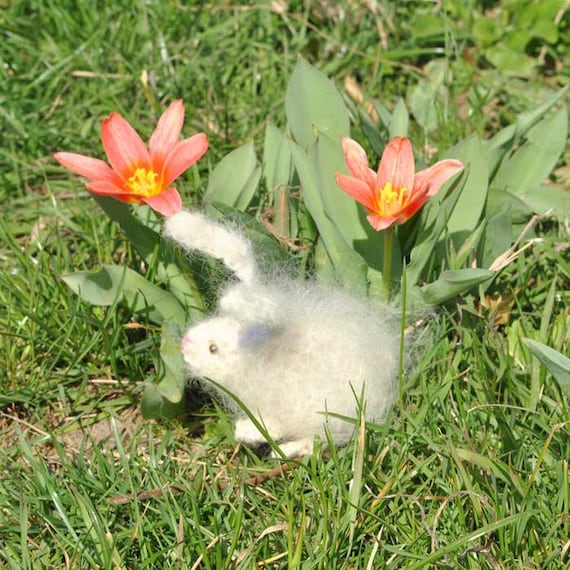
[[411, 208], [433, 178], [166, 203], [183, 156], [124, 147], [91, 168], [380, 223], [103, 188], [166, 135], [397, 165], [358, 189], [357, 161]]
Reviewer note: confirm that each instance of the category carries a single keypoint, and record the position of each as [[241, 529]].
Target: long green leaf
[[497, 147], [499, 201], [155, 405], [498, 238], [348, 217], [172, 384], [505, 215], [371, 132], [235, 179], [534, 160], [433, 220], [114, 283], [166, 398], [400, 120], [452, 283], [277, 172], [155, 251], [543, 199], [349, 267], [556, 363], [467, 212], [144, 239], [313, 104], [383, 114], [277, 162]]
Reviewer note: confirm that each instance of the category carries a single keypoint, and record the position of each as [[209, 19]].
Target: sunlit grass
[[472, 471]]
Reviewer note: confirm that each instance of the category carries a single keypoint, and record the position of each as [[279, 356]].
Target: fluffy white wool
[[193, 230], [290, 350]]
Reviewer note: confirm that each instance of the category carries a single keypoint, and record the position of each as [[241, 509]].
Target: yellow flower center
[[390, 201], [144, 183]]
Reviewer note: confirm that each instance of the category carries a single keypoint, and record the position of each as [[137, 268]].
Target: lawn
[[470, 470]]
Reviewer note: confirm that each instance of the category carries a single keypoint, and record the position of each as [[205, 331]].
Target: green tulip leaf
[[112, 284], [497, 239], [235, 179], [452, 283], [544, 199], [383, 113], [349, 267], [173, 373], [277, 172], [144, 239], [371, 132], [277, 162], [400, 120], [157, 252], [155, 405], [556, 363], [470, 204], [422, 96], [347, 215], [532, 163], [433, 221], [497, 147], [314, 105], [462, 256], [499, 201]]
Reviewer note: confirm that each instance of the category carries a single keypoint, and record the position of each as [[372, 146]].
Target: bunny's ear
[[254, 335], [193, 230]]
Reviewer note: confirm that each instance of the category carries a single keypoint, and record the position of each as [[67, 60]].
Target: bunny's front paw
[[246, 431], [297, 448]]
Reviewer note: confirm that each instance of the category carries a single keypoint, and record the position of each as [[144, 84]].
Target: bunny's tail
[[193, 230]]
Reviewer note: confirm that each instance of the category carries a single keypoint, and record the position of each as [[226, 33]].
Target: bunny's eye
[[213, 348]]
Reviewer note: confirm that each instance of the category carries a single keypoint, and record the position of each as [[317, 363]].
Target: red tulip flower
[[137, 174], [396, 192]]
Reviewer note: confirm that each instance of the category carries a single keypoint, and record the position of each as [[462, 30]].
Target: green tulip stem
[[387, 269]]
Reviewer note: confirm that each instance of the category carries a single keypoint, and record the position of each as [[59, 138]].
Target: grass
[[473, 471]]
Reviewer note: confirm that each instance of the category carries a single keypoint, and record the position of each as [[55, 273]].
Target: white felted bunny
[[295, 353]]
